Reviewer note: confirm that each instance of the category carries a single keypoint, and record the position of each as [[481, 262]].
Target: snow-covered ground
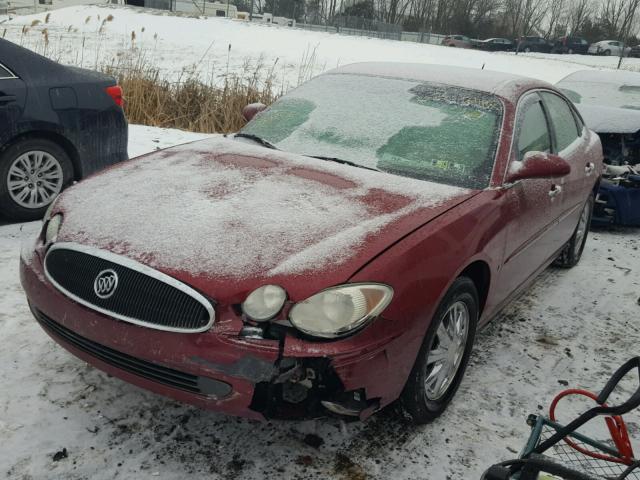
[[93, 36], [573, 326]]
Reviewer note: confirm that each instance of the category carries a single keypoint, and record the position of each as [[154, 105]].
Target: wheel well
[[56, 138], [480, 274]]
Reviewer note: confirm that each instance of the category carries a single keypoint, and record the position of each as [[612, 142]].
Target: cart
[[556, 451]]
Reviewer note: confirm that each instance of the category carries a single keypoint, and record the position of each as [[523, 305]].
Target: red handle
[[617, 429]]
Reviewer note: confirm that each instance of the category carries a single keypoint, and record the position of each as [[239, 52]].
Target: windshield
[[408, 128]]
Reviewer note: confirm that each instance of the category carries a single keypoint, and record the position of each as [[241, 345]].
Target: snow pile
[[232, 209]]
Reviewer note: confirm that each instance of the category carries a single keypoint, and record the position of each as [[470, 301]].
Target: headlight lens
[[339, 310], [264, 303], [53, 226]]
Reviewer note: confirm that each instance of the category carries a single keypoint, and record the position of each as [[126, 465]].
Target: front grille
[[142, 368], [141, 295]]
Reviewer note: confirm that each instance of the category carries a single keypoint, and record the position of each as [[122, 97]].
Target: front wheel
[[570, 255], [444, 354], [32, 173], [607, 53]]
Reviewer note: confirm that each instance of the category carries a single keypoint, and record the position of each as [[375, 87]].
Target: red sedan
[[336, 255]]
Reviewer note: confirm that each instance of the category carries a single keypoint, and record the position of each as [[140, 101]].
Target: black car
[[635, 52], [534, 44], [570, 45], [57, 124], [495, 45]]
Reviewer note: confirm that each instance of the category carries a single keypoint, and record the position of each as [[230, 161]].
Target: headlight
[[264, 303], [52, 228], [339, 310]]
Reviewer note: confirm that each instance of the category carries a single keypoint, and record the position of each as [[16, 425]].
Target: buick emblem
[[105, 283]]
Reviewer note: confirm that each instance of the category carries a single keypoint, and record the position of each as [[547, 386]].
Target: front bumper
[[218, 369]]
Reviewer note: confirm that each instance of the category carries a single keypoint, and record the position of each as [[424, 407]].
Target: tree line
[[591, 19]]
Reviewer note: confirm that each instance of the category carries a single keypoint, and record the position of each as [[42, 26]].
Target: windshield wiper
[[344, 162], [256, 139]]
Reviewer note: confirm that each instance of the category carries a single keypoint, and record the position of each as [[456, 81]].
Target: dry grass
[[191, 104], [205, 97]]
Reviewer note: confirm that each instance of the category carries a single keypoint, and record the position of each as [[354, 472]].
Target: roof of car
[[506, 85], [615, 77]]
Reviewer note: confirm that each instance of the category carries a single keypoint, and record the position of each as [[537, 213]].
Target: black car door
[[13, 93]]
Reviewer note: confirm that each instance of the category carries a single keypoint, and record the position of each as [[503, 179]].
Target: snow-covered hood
[[220, 212], [602, 119]]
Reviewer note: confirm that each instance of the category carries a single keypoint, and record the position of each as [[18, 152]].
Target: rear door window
[[563, 120], [532, 130]]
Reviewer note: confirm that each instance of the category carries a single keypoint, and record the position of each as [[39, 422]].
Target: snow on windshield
[[419, 130]]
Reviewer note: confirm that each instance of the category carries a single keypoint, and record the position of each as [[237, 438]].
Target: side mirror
[[252, 110], [538, 165]]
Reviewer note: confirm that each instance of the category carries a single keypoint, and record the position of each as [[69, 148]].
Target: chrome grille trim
[[135, 266]]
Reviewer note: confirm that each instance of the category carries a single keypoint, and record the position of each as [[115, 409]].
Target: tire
[[52, 171], [572, 251], [527, 50], [570, 51], [607, 53], [418, 402]]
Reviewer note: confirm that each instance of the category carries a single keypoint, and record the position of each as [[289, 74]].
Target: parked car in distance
[[495, 45], [608, 47], [290, 270], [635, 51], [459, 41], [534, 44], [609, 102], [59, 124], [570, 45]]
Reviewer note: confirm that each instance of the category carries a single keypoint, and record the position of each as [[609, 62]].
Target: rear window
[[408, 128]]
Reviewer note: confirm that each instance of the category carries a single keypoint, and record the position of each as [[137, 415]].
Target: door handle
[[555, 190], [7, 98], [589, 168]]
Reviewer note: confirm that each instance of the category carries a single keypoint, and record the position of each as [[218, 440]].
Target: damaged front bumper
[[222, 369]]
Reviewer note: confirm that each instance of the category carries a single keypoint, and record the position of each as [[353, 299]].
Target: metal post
[[251, 12], [227, 8]]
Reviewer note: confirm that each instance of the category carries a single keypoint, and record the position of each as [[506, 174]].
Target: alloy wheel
[[34, 179], [447, 351]]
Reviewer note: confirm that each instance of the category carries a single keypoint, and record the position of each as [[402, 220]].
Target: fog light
[[264, 303]]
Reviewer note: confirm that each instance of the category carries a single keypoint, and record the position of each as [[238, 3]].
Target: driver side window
[[533, 131]]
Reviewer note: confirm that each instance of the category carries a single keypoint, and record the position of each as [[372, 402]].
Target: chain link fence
[[362, 27]]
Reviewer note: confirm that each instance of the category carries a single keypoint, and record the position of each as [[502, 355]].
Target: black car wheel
[[607, 53], [444, 354], [32, 173], [572, 251]]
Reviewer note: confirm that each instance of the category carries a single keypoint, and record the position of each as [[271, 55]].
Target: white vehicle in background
[[608, 47]]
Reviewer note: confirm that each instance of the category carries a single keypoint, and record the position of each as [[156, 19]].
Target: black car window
[[532, 130], [562, 119], [4, 73]]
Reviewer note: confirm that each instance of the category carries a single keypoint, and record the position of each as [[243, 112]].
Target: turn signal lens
[[52, 229], [264, 303]]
